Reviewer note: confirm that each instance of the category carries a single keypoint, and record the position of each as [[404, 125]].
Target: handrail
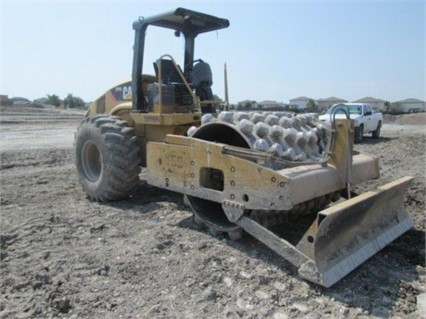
[[349, 153]]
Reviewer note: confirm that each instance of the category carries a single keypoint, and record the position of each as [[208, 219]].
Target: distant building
[[4, 100], [20, 101], [269, 105], [376, 104], [300, 102], [329, 101], [412, 105]]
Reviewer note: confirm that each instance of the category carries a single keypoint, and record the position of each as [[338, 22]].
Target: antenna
[[226, 90]]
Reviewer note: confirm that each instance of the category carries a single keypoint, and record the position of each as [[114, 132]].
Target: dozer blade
[[350, 232], [342, 237]]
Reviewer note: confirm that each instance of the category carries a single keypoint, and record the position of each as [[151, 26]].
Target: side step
[[342, 237]]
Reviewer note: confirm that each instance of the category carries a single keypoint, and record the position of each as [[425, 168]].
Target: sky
[[274, 50]]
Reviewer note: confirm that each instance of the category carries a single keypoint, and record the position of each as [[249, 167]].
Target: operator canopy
[[183, 20], [188, 22]]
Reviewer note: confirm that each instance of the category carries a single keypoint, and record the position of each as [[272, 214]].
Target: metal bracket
[[233, 210]]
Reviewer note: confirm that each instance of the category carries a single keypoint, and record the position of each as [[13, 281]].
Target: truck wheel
[[107, 158], [359, 133], [376, 133]]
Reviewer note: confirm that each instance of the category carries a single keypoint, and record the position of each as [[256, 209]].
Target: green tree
[[53, 100], [310, 106], [74, 102], [396, 108], [387, 105], [217, 98]]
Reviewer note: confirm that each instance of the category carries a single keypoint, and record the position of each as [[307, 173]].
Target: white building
[[376, 104], [329, 101], [267, 104], [300, 102], [412, 105]]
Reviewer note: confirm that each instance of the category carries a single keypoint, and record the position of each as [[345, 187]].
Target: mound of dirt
[[406, 119]]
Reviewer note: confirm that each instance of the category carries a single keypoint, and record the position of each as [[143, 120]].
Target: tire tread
[[120, 153]]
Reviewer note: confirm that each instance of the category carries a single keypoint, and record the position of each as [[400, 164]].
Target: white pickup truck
[[365, 121]]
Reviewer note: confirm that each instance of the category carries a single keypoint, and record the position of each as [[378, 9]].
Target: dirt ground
[[63, 256]]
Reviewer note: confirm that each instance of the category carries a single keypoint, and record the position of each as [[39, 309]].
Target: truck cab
[[362, 115]]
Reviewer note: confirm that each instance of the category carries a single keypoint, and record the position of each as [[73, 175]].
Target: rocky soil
[[63, 256]]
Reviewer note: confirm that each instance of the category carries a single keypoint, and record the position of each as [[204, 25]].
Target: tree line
[[70, 101]]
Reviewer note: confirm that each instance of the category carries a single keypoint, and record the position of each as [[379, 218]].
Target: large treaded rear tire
[[359, 133], [107, 158], [376, 133]]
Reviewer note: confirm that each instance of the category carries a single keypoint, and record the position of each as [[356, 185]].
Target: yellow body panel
[[181, 163], [180, 168]]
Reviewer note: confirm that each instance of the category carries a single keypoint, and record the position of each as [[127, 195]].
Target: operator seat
[[202, 80], [169, 74]]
